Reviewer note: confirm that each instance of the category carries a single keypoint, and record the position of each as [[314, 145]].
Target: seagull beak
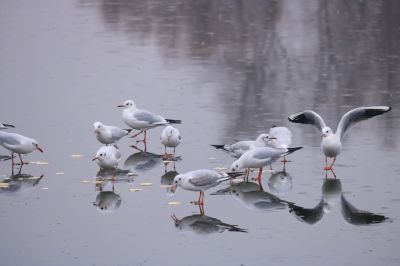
[[173, 188], [39, 149], [323, 135], [95, 158], [272, 138], [121, 105]]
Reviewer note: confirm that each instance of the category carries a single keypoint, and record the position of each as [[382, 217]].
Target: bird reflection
[[5, 158], [204, 225], [19, 182], [280, 182], [143, 161], [253, 197], [332, 195], [115, 175], [355, 216], [107, 201], [167, 179]]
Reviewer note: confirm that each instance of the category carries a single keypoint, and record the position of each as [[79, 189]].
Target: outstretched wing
[[357, 115], [308, 117]]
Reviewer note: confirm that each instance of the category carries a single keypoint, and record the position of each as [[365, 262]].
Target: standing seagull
[[142, 119], [18, 144], [331, 144], [109, 134], [5, 126], [200, 180], [260, 157], [281, 138], [107, 157], [170, 137], [237, 149]]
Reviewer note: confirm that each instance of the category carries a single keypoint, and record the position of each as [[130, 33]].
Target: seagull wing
[[146, 116], [357, 115], [308, 117]]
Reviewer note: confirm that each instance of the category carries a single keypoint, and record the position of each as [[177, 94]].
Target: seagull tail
[[234, 228], [234, 174], [173, 121], [219, 147], [291, 150]]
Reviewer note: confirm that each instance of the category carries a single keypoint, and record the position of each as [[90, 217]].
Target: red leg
[[140, 132], [22, 162], [258, 178], [330, 166]]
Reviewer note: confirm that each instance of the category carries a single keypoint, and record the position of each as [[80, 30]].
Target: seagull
[[237, 149], [281, 138], [253, 197], [260, 157], [331, 144], [142, 119], [170, 137], [107, 157], [5, 126], [201, 180], [109, 134], [203, 224], [18, 144]]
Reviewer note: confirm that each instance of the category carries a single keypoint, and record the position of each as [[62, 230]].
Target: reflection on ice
[[280, 182], [107, 200], [253, 197], [331, 195], [204, 225], [20, 183], [143, 161]]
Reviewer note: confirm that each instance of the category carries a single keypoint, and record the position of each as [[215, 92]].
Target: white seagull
[[170, 137], [107, 157], [200, 180], [237, 149], [281, 138], [142, 119], [109, 134], [331, 144], [19, 144], [260, 157]]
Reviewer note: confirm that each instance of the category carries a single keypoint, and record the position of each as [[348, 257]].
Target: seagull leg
[[136, 148], [258, 178], [12, 159], [201, 208], [140, 132], [330, 166], [22, 162]]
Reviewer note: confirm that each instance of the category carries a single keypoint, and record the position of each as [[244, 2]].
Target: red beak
[[95, 158], [173, 188], [39, 149]]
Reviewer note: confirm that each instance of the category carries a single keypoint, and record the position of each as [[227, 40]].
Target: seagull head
[[264, 139], [326, 132], [97, 127], [128, 104], [100, 156], [177, 182], [35, 146], [236, 166]]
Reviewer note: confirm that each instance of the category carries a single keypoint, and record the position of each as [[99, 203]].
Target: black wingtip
[[235, 174], [219, 147], [128, 129], [8, 125], [174, 121], [298, 118], [291, 150]]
